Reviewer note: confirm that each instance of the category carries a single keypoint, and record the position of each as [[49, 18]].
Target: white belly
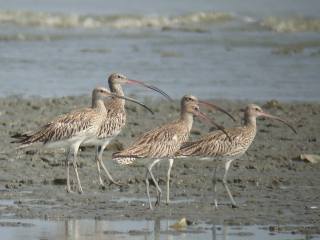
[[65, 143], [96, 141]]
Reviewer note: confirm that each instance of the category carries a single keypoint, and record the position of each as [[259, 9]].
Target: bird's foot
[[111, 181], [157, 203], [101, 183], [234, 205], [150, 207], [102, 186], [68, 190], [119, 184], [216, 204]]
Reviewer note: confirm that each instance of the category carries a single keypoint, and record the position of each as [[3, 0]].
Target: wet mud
[[271, 184]]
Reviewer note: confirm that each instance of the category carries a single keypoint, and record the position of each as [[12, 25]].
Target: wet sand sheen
[[147, 229], [270, 183]]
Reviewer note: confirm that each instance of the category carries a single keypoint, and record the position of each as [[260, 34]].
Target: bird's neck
[[250, 122], [187, 118], [117, 89], [98, 105]]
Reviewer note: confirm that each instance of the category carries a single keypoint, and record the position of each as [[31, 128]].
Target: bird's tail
[[187, 149], [25, 139], [123, 160]]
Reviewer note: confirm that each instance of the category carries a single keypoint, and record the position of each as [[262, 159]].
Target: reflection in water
[[78, 229], [157, 229], [214, 232]]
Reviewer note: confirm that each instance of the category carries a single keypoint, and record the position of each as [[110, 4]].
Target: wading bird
[[163, 142], [215, 146], [71, 129], [115, 119]]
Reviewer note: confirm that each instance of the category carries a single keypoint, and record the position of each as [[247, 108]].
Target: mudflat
[[271, 184]]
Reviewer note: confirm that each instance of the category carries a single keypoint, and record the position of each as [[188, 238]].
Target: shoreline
[[270, 184]]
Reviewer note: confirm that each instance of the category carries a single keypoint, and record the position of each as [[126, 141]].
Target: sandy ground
[[270, 183]]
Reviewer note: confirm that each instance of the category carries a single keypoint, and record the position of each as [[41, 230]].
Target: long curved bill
[[215, 107], [131, 100], [154, 88], [264, 114], [205, 118]]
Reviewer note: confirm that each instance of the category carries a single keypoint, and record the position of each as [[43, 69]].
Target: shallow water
[[12, 229], [215, 49]]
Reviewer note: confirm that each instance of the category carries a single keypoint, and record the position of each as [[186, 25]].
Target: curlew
[[162, 143], [216, 147], [70, 130], [115, 119]]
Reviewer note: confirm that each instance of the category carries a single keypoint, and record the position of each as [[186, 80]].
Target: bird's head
[[254, 111], [117, 79]]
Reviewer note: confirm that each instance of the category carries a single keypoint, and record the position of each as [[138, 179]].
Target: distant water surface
[[248, 49]]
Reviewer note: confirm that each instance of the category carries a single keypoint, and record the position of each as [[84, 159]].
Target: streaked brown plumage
[[70, 130], [161, 143], [216, 146], [115, 118]]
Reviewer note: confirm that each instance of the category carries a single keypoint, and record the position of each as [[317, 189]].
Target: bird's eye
[[257, 109]]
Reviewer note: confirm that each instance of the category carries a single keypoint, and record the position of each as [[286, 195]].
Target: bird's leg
[[67, 171], [214, 181], [157, 178], [104, 167], [147, 189], [77, 175], [75, 151], [159, 192], [225, 184], [98, 167], [168, 180]]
